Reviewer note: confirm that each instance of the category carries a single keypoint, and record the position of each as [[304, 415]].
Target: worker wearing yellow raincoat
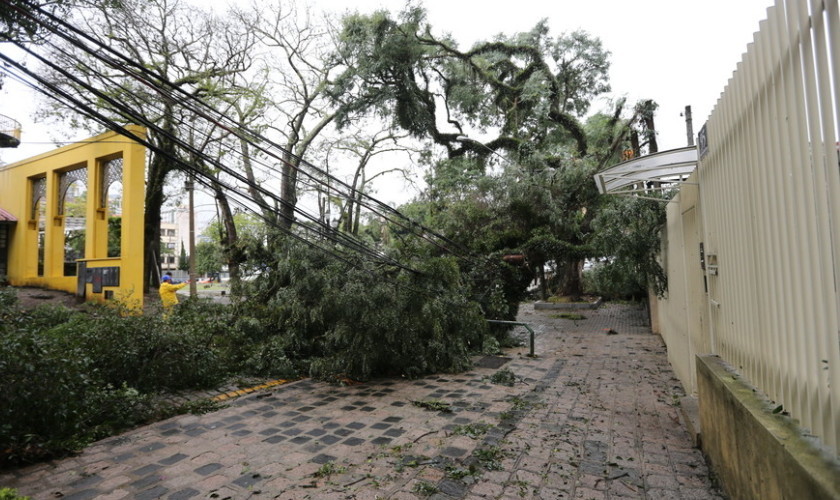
[[167, 290]]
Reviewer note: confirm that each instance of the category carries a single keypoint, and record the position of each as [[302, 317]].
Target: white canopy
[[656, 172]]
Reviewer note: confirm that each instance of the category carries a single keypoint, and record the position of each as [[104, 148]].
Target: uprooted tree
[[525, 96]]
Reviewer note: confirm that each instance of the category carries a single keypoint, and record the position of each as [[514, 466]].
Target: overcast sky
[[676, 52]]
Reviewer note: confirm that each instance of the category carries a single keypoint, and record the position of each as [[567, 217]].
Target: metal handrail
[[10, 126], [519, 323]]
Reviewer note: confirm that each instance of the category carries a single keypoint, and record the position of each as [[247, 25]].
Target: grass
[[503, 377], [328, 469], [490, 458], [473, 431], [424, 489]]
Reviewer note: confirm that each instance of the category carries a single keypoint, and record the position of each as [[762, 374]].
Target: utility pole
[[689, 129], [190, 188]]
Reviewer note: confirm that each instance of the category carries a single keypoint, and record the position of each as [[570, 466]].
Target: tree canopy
[[525, 186], [256, 107]]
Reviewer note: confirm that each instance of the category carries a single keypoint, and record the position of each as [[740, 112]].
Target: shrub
[[72, 377], [45, 395], [11, 494], [53, 401], [8, 298], [615, 280], [145, 352], [347, 321]]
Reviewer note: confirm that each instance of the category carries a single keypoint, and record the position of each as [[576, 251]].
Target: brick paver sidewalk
[[593, 416]]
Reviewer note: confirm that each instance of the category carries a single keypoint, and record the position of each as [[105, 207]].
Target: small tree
[[183, 262], [208, 258]]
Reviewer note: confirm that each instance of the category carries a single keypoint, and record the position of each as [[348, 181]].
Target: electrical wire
[[215, 119], [71, 101], [182, 97]]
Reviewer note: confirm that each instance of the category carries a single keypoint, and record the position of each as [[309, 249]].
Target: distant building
[[174, 232]]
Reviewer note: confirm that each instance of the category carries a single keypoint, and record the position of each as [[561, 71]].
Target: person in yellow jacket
[[167, 290]]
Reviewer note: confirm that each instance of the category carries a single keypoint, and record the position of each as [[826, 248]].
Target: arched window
[[37, 216], [72, 204], [110, 200]]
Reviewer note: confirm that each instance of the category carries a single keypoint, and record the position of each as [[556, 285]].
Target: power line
[[212, 118], [182, 97], [73, 102]]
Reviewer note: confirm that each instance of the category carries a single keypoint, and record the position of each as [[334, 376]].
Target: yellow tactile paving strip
[[248, 390]]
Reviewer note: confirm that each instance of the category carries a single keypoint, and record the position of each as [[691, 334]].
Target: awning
[[9, 132], [657, 172], [6, 217]]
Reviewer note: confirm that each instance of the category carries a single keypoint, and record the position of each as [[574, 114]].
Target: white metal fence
[[768, 217]]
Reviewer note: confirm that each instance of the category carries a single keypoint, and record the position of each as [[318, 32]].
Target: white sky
[[676, 52]]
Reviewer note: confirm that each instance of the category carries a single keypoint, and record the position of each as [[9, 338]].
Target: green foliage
[[8, 299], [146, 352], [348, 321], [629, 230], [183, 261], [490, 457], [11, 494], [208, 257], [459, 473], [71, 377], [529, 86], [614, 281], [503, 377], [54, 397], [329, 469], [433, 405], [114, 236], [473, 431], [571, 316], [46, 391], [18, 21], [424, 488]]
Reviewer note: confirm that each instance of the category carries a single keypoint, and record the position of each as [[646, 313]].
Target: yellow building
[[73, 219]]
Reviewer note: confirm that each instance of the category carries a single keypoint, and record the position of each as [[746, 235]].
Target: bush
[[72, 377], [8, 298], [11, 494], [147, 353], [45, 395], [347, 321], [615, 280], [53, 400]]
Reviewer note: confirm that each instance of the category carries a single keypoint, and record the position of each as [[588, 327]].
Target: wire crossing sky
[[202, 120]]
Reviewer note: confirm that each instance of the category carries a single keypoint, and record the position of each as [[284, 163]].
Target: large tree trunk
[[158, 169], [288, 193], [269, 215], [230, 243], [543, 283], [572, 279]]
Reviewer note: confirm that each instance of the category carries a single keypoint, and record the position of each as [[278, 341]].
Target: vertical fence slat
[[770, 212], [825, 157]]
